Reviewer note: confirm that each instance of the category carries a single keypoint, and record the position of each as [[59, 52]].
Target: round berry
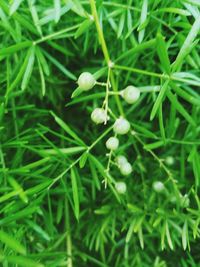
[[126, 169], [121, 160], [120, 187], [98, 115], [158, 186], [131, 94], [169, 160], [112, 143], [121, 126], [86, 81]]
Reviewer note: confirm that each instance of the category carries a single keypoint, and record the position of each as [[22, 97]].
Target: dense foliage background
[[54, 208]]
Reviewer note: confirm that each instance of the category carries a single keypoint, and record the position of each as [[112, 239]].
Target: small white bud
[[121, 126], [125, 169], [169, 160], [121, 160], [98, 115], [112, 143], [158, 186], [86, 81], [120, 187], [131, 94]]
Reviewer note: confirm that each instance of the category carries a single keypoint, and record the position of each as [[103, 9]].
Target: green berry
[[121, 126], [112, 143], [120, 187], [86, 81], [131, 94], [98, 115], [121, 160], [169, 160], [158, 186], [126, 169]]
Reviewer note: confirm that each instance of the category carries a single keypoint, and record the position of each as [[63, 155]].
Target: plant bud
[[120, 187], [126, 169], [112, 143], [131, 94], [121, 126], [98, 115], [86, 81]]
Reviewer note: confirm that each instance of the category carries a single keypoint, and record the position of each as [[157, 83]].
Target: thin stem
[[153, 74], [105, 52], [68, 233], [53, 35], [100, 32], [78, 159], [105, 103]]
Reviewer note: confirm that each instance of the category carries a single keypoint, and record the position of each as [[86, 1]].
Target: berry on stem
[[86, 81], [121, 160], [120, 187], [131, 94], [99, 115], [126, 169], [158, 186], [121, 126], [169, 160], [112, 143]]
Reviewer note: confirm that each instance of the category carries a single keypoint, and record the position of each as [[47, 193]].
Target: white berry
[[125, 169], [121, 126], [158, 186], [131, 94], [112, 143], [86, 81], [98, 115], [121, 160], [120, 187]]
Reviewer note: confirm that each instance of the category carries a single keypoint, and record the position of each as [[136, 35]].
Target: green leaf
[[29, 68], [162, 52], [180, 108], [85, 25], [169, 236], [21, 261], [60, 66], [17, 187], [43, 84], [35, 17], [83, 159], [15, 48], [143, 19], [14, 6], [121, 25], [12, 243], [159, 99], [67, 129], [187, 45], [57, 9], [75, 192], [185, 235], [141, 238]]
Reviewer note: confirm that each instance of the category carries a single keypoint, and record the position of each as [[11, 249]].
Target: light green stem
[[105, 52]]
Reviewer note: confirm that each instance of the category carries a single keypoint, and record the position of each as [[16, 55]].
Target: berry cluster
[[121, 126]]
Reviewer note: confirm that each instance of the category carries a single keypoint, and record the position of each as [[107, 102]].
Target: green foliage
[[58, 202]]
